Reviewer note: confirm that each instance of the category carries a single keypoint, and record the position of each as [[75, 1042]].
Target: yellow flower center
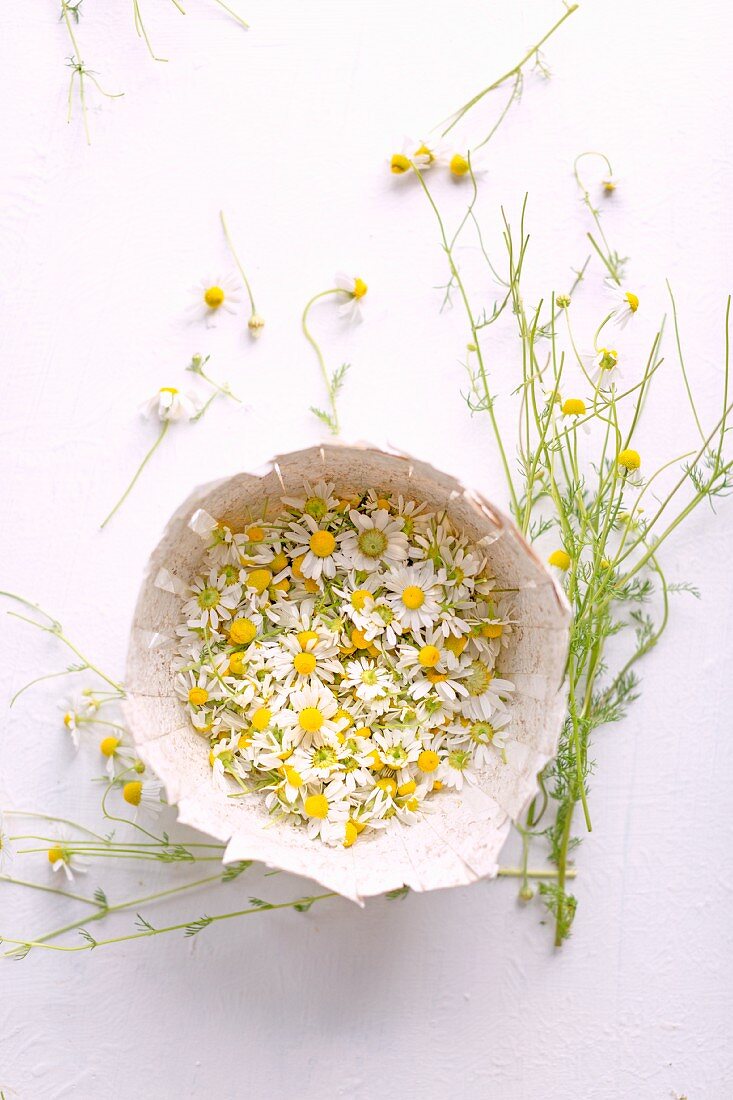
[[214, 297], [358, 639], [310, 719], [400, 164], [560, 559], [255, 534], [492, 630], [236, 664], [56, 854], [387, 785], [350, 834], [132, 792], [407, 788], [297, 565], [360, 288], [362, 731], [197, 696], [279, 561], [573, 407], [259, 580], [108, 746], [437, 785], [306, 636], [629, 460], [423, 151], [293, 777], [459, 165], [316, 805], [310, 585], [429, 656], [343, 716], [322, 543], [360, 597], [261, 718], [304, 663], [242, 631], [428, 760], [413, 597], [436, 677], [632, 300], [456, 645], [478, 679], [372, 542]]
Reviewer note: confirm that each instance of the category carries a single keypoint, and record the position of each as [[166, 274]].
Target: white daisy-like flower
[[62, 857], [318, 501], [327, 812], [310, 717], [412, 592], [116, 750], [317, 544], [603, 367], [214, 296], [170, 404], [355, 290], [377, 542], [212, 601], [457, 768], [302, 660], [379, 622], [488, 738], [77, 711], [571, 411], [398, 747], [609, 184], [627, 304], [368, 680], [410, 807], [143, 794], [487, 693]]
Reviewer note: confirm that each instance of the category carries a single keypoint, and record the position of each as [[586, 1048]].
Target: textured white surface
[[453, 992]]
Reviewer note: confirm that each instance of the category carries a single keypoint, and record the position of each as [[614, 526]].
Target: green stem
[[141, 467]]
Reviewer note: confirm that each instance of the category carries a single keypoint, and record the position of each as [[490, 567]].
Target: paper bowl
[[457, 844]]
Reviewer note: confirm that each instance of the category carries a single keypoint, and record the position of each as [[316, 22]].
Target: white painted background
[[287, 127]]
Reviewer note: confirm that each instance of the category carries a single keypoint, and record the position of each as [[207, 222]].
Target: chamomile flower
[[115, 751], [368, 680], [463, 165], [311, 716], [379, 622], [170, 404], [317, 544], [77, 711], [487, 693], [212, 601], [457, 768], [627, 304], [609, 185], [604, 368], [327, 812], [412, 593], [213, 297], [354, 289], [143, 794], [302, 659], [629, 464], [318, 501], [377, 541], [62, 857], [488, 738], [427, 154]]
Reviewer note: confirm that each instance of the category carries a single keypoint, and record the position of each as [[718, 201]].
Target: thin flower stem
[[511, 73], [183, 926], [327, 381], [232, 249], [164, 428], [47, 889]]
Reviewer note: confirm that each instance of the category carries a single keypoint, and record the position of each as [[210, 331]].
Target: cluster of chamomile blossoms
[[341, 659]]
